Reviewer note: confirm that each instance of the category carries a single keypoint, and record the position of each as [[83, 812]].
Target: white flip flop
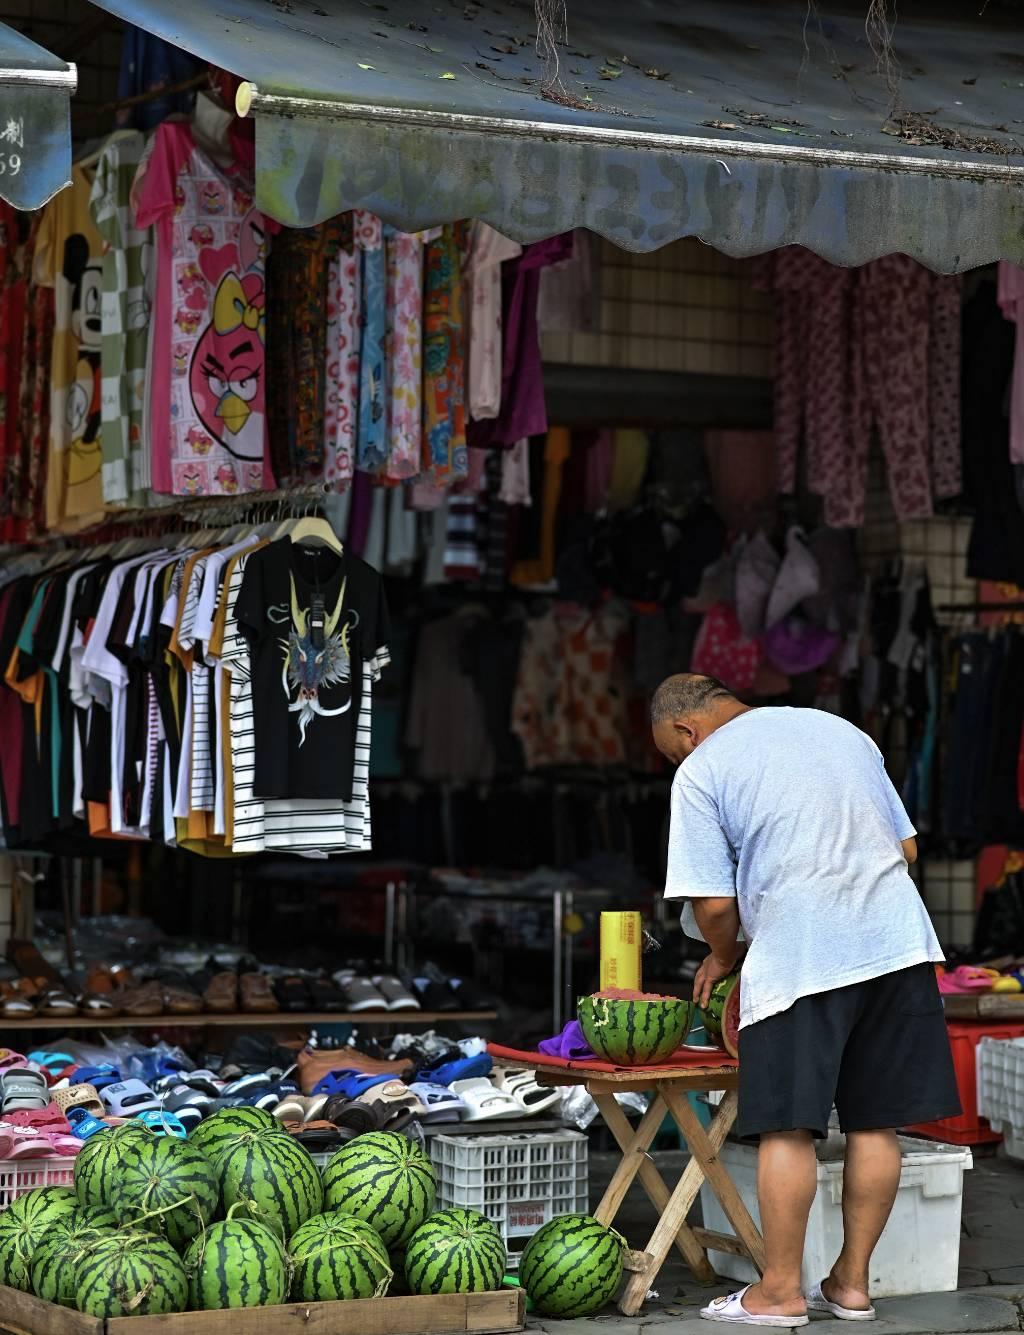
[[817, 1302], [483, 1102], [731, 1311], [522, 1085]]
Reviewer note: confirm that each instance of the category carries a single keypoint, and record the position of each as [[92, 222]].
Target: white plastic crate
[[520, 1182], [919, 1251], [1001, 1090], [20, 1175]]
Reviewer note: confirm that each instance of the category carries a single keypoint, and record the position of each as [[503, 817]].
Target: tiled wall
[[682, 308]]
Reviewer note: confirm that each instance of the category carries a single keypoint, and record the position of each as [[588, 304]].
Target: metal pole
[[557, 907]]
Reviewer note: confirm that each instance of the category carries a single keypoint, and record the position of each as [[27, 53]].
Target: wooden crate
[[447, 1314]]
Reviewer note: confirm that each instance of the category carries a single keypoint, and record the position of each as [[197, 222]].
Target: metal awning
[[749, 125], [35, 121]]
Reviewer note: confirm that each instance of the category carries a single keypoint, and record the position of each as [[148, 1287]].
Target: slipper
[[817, 1302], [98, 1076], [9, 1059], [54, 1065], [130, 1097], [965, 981], [440, 1104], [79, 1096], [394, 1097], [461, 1068], [21, 1088], [349, 1083], [522, 1085], [182, 1097], [30, 1144], [349, 1115], [483, 1102], [163, 1123], [731, 1311], [395, 993]]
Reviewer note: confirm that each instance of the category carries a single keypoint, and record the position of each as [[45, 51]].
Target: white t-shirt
[[791, 811]]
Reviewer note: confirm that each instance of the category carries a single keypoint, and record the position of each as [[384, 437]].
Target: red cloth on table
[[684, 1059]]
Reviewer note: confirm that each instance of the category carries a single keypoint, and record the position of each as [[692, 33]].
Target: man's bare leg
[[787, 1178], [871, 1180]]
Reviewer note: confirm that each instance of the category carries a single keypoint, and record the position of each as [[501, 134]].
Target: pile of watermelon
[[238, 1215]]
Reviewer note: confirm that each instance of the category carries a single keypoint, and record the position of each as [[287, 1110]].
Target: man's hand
[[710, 972]]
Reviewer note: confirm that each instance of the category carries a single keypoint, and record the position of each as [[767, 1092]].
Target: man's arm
[[909, 850], [719, 922]]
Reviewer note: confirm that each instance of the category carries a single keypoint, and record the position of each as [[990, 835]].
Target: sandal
[[256, 994], [483, 1102], [147, 999], [58, 1003], [179, 1000], [731, 1311], [101, 1005], [351, 1116], [17, 1001], [22, 1089], [350, 1083], [523, 1087]]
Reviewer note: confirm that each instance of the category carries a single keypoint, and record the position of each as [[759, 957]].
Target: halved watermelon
[[722, 1016], [634, 1033]]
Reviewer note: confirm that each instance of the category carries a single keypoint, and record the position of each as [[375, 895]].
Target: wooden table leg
[[677, 1207], [705, 1149], [635, 1162]]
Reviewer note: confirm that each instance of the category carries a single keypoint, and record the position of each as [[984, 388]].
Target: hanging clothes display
[[207, 378]]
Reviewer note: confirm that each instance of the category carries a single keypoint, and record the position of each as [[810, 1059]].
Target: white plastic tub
[[1001, 1090], [919, 1252]]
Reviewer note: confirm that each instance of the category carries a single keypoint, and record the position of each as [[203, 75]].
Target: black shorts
[[877, 1050]]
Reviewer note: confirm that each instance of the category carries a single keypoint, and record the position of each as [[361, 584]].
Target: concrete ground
[[990, 1297]]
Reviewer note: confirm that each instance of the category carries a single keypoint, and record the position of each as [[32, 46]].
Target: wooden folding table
[[670, 1089]]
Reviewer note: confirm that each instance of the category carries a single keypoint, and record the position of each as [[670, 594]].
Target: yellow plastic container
[[621, 946]]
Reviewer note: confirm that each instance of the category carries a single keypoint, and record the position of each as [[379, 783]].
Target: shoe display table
[[669, 1088], [248, 1020]]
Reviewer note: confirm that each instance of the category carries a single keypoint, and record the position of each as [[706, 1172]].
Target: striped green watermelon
[[384, 1179], [22, 1227], [226, 1125], [97, 1162], [130, 1274], [336, 1256], [236, 1263], [275, 1179], [65, 1242], [634, 1033], [572, 1266], [455, 1251], [166, 1187], [721, 1016]]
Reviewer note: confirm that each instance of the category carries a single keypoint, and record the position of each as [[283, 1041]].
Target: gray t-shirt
[[791, 811]]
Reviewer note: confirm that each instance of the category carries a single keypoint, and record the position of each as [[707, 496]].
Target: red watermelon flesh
[[731, 1022]]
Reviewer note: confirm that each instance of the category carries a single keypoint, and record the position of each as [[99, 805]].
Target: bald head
[[686, 709]]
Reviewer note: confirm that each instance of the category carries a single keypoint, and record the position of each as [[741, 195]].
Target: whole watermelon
[[225, 1125], [273, 1178], [22, 1227], [336, 1256], [634, 1033], [130, 1274], [237, 1263], [455, 1251], [385, 1180], [572, 1266], [721, 1016], [63, 1245], [97, 1164], [165, 1186]]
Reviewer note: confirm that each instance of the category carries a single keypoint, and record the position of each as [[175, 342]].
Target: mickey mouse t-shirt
[[312, 619]]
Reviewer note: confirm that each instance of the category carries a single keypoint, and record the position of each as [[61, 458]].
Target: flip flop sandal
[[29, 1144], [66, 1146], [246, 1084], [349, 1083], [54, 1065], [398, 1121], [15, 1004], [204, 1081], [483, 1102], [181, 1098], [83, 1124], [731, 1311], [522, 1085], [163, 1123], [293, 1108], [461, 1068], [817, 1302], [440, 1104], [319, 1138], [23, 1089], [9, 1059]]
